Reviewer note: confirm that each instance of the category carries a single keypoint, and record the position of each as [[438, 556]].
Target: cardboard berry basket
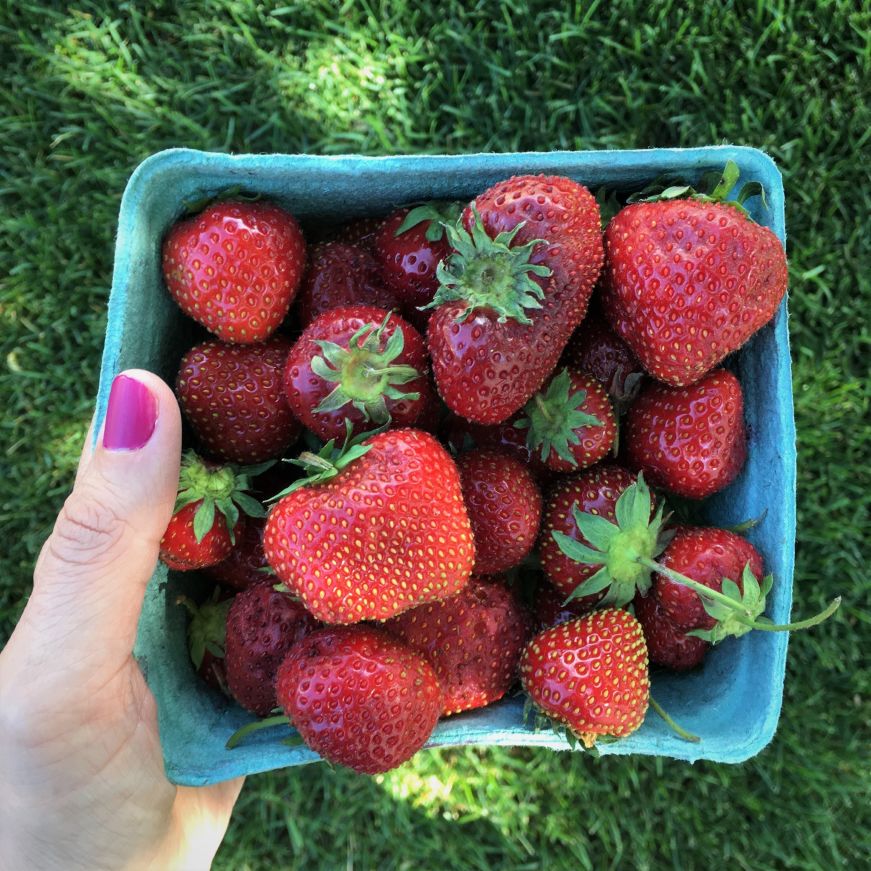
[[732, 702]]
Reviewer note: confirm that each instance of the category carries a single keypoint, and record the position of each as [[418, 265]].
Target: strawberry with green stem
[[206, 634], [207, 516]]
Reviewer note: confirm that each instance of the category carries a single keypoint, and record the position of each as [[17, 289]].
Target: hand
[[81, 769]]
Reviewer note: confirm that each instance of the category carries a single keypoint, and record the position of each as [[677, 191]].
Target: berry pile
[[404, 473]]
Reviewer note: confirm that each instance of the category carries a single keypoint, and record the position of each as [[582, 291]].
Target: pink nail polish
[[131, 415]]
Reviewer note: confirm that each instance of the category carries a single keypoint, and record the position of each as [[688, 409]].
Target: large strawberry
[[526, 256], [590, 674], [359, 697], [235, 268], [473, 640], [359, 364], [569, 424], [206, 521], [689, 278], [504, 505], [340, 275], [233, 397], [376, 530], [262, 625], [688, 440]]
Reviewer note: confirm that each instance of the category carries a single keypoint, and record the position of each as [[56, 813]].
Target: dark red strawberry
[[206, 521], [550, 607], [337, 276], [206, 633], [473, 641], [600, 568], [233, 398], [689, 280], [262, 625], [569, 424], [359, 697], [524, 262], [504, 505], [590, 674], [596, 349], [361, 365], [246, 565], [667, 645], [409, 247], [378, 529], [430, 417], [235, 268], [360, 232], [688, 440]]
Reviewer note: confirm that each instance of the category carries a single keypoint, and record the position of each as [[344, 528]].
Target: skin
[[82, 770]]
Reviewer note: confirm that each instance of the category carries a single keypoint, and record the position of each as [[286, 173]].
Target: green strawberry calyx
[[207, 627], [490, 273], [437, 213], [621, 550], [553, 418], [365, 373], [218, 488], [723, 185], [738, 612]]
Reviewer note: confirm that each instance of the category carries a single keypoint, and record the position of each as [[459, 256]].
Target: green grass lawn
[[87, 93]]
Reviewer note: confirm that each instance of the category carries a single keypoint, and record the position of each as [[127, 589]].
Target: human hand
[[83, 784]]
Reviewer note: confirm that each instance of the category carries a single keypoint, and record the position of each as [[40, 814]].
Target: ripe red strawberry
[[377, 530], [235, 268], [246, 563], [595, 491], [263, 624], [206, 521], [206, 633], [689, 280], [526, 256], [569, 424], [340, 275], [550, 607], [359, 232], [233, 398], [359, 697], [504, 505], [688, 440], [596, 349], [473, 641], [359, 364], [408, 248], [590, 674], [667, 645]]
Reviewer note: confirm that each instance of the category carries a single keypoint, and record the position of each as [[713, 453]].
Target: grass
[[89, 90]]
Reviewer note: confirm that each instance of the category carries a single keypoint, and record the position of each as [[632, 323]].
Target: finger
[[91, 575]]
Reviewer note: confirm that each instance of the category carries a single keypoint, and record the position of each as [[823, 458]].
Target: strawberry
[[688, 440], [233, 398], [359, 232], [596, 349], [569, 423], [590, 674], [206, 633], [359, 364], [551, 609], [408, 248], [262, 625], [206, 521], [526, 255], [667, 645], [340, 275], [359, 697], [504, 505], [378, 528], [688, 279], [235, 268], [473, 641], [571, 556], [246, 565]]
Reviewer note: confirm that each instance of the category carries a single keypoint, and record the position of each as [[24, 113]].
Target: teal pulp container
[[732, 702]]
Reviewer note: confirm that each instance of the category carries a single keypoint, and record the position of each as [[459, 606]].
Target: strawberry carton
[[732, 701]]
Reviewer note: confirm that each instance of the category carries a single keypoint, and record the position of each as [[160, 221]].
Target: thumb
[[90, 577]]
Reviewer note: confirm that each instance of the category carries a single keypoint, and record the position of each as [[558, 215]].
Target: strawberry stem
[[255, 726], [687, 736], [802, 624]]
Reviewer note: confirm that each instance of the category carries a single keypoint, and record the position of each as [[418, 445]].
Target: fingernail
[[131, 415]]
